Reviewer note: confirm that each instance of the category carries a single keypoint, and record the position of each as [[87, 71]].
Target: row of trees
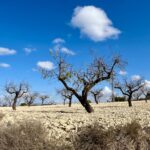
[[131, 90], [22, 92], [68, 96], [80, 83]]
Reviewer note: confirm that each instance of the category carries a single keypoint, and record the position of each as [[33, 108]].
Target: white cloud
[[29, 50], [4, 65], [106, 92], [45, 65], [7, 51], [135, 77], [147, 84], [58, 41], [123, 73], [59, 47], [67, 51], [94, 23], [62, 49]]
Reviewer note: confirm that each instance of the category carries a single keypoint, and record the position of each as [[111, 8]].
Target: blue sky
[[33, 25]]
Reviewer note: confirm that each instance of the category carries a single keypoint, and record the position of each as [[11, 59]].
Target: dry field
[[61, 121]]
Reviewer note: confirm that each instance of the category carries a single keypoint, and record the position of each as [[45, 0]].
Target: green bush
[[23, 104], [89, 101], [119, 99]]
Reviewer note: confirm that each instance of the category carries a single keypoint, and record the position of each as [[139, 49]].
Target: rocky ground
[[60, 120]]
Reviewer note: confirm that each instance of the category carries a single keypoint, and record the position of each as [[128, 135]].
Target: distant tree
[[43, 98], [97, 94], [128, 88], [67, 95], [51, 103], [145, 90], [8, 100], [119, 99], [137, 95], [84, 80], [29, 98], [147, 96], [16, 91]]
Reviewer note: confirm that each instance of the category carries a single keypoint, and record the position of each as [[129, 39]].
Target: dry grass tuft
[[28, 135], [128, 137], [31, 135], [1, 116]]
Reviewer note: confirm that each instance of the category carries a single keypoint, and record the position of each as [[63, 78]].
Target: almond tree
[[29, 98], [145, 90], [137, 95], [43, 98], [17, 91], [128, 88], [67, 95], [83, 80], [97, 94], [8, 99]]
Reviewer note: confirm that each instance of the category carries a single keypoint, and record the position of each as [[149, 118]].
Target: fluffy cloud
[[123, 73], [94, 23], [58, 41], [29, 50], [45, 65], [106, 92], [135, 77], [4, 65], [59, 46], [147, 84], [7, 51], [67, 51]]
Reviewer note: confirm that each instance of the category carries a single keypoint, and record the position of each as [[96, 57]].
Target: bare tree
[[67, 95], [128, 88], [83, 80], [137, 95], [8, 99], [17, 91], [97, 94], [29, 98], [145, 90], [43, 98]]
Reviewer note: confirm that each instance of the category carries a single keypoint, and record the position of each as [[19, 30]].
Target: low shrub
[[128, 137], [23, 104], [29, 135], [1, 116], [119, 99]]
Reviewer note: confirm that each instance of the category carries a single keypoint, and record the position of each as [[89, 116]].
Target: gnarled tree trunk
[[96, 101], [64, 102], [14, 104], [129, 101], [86, 105], [70, 102]]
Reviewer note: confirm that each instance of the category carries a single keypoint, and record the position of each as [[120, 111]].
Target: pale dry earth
[[61, 120]]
